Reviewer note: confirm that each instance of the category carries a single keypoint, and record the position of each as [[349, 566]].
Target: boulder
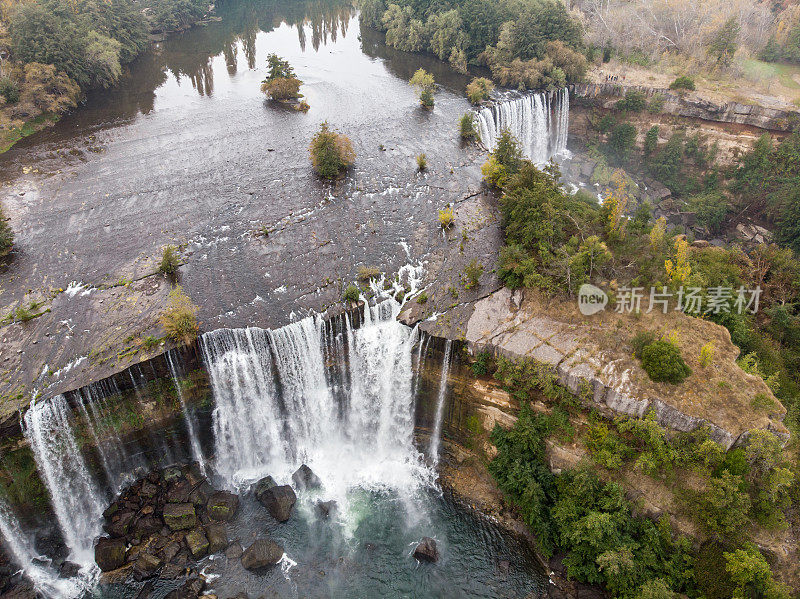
[[279, 501], [69, 570], [180, 516], [234, 551], [146, 566], [146, 526], [325, 508], [170, 551], [222, 506], [263, 553], [304, 478], [171, 572], [201, 494], [426, 551], [172, 473], [217, 535], [190, 589], [109, 553], [178, 491], [148, 490], [120, 524], [197, 543], [262, 486]]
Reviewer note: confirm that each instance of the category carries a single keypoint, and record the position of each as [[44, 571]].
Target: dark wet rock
[[109, 553], [148, 490], [52, 545], [147, 525], [193, 474], [241, 595], [179, 491], [262, 486], [217, 535], [426, 551], [180, 516], [304, 478], [201, 494], [170, 551], [172, 572], [197, 542], [120, 524], [171, 474], [24, 589], [146, 566], [263, 553], [69, 570], [279, 501], [145, 591], [326, 508], [190, 589], [111, 510], [234, 551], [222, 506]]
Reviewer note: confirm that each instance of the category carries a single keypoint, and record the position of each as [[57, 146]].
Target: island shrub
[[466, 127], [281, 83], [422, 162], [170, 261], [179, 318], [479, 89], [6, 235], [425, 85], [684, 82], [662, 361], [331, 152]]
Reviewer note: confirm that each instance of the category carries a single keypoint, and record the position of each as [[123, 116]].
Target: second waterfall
[[539, 121]]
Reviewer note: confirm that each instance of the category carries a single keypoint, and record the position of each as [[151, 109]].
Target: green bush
[[479, 89], [472, 274], [169, 261], [622, 141], [683, 82], [606, 124], [656, 103], [663, 363], [641, 340], [634, 101], [6, 235], [9, 90], [331, 152], [351, 294], [466, 127], [482, 364]]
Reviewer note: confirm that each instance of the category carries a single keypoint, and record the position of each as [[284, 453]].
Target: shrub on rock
[[663, 363], [331, 152]]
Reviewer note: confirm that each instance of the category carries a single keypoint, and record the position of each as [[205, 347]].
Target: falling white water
[[76, 502], [539, 121], [270, 420], [436, 435], [35, 566], [188, 417]]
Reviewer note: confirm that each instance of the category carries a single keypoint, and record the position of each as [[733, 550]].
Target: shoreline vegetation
[[59, 50]]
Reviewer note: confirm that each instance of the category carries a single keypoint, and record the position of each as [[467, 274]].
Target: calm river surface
[[188, 151]]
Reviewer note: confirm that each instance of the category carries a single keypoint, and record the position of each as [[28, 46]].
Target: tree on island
[[281, 83], [331, 152], [425, 85]]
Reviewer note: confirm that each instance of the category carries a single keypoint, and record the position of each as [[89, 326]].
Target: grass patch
[[10, 137]]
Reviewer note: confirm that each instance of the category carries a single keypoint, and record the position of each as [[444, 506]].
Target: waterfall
[[76, 502], [280, 402], [436, 435], [188, 418], [35, 566], [539, 121]]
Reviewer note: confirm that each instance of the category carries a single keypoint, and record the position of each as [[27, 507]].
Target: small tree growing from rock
[[466, 127], [331, 152], [169, 261], [479, 89], [425, 85]]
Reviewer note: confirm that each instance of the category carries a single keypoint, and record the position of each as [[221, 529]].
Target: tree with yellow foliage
[[616, 202], [679, 270]]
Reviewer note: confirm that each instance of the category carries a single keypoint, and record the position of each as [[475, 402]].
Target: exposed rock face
[[304, 478], [263, 553], [197, 542], [590, 358], [427, 551], [222, 506], [109, 553], [190, 589], [260, 488], [279, 501], [217, 536], [180, 516], [692, 105]]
